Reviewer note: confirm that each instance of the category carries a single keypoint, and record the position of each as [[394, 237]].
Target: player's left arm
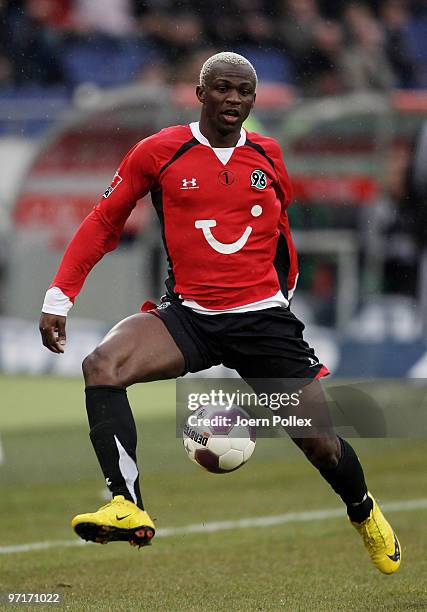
[[284, 193], [283, 183]]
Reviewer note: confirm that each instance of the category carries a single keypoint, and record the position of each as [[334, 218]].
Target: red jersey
[[222, 214]]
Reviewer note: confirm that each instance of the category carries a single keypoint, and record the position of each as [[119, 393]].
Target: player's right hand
[[52, 329]]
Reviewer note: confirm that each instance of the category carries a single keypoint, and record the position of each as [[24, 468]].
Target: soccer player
[[221, 196]]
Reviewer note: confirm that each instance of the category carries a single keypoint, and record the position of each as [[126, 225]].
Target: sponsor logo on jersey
[[189, 183], [115, 182], [226, 248], [258, 179]]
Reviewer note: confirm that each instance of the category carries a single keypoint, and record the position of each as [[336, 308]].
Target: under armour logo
[[189, 183]]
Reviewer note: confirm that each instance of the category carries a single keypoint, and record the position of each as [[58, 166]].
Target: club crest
[[258, 179]]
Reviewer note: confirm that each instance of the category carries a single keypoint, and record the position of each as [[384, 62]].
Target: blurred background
[[343, 87]]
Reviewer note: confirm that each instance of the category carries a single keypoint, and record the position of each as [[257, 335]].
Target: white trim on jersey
[[56, 302], [291, 291], [274, 301], [223, 153]]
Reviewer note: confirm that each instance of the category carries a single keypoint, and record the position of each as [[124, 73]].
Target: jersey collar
[[195, 130]]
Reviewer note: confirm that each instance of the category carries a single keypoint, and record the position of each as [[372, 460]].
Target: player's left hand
[[52, 329]]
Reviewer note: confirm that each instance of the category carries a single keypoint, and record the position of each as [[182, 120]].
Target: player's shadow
[[355, 413]]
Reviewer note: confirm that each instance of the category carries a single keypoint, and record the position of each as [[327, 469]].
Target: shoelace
[[109, 504]]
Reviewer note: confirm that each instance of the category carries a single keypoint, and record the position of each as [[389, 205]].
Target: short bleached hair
[[234, 59]]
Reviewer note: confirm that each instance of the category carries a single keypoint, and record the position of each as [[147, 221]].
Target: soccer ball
[[215, 438]]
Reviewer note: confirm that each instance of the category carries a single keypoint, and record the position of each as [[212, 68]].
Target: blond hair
[[228, 58]]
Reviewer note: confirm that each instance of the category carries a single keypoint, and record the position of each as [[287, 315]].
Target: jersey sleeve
[[284, 193], [100, 232], [285, 229], [284, 186]]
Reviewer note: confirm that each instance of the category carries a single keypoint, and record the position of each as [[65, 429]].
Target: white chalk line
[[260, 521]]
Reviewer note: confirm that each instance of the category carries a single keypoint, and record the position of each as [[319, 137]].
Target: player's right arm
[[98, 234]]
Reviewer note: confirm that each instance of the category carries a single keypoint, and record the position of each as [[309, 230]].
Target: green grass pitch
[[49, 474]]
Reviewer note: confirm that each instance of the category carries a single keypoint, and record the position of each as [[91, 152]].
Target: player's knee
[[99, 369], [323, 453]]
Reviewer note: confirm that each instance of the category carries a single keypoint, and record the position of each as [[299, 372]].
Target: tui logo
[[226, 248]]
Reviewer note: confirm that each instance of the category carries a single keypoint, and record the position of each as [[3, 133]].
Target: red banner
[[355, 190]]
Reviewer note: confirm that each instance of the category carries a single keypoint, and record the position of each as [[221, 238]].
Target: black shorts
[[263, 344]]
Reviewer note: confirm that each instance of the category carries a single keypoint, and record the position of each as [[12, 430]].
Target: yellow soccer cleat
[[380, 541], [119, 520]]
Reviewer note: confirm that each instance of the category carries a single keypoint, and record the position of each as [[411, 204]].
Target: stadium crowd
[[319, 46]]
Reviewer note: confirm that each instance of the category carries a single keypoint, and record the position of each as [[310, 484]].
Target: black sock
[[113, 435], [348, 481]]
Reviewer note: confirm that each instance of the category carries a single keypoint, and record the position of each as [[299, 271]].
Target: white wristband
[[56, 302]]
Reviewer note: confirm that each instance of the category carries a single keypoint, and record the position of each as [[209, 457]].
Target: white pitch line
[[260, 521]]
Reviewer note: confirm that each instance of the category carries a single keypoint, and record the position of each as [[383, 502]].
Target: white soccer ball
[[217, 439]]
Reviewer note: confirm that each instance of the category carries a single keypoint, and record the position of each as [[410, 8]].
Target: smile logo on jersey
[[116, 181], [230, 247], [258, 179]]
